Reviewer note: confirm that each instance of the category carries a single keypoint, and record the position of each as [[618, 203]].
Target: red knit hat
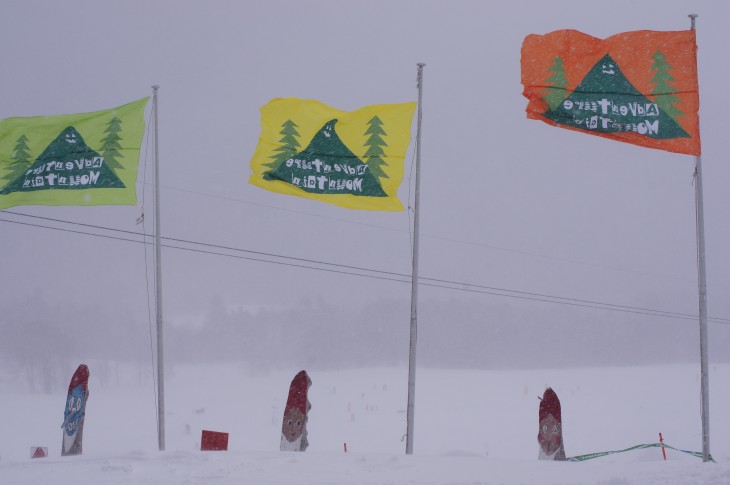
[[298, 392], [550, 404], [81, 376]]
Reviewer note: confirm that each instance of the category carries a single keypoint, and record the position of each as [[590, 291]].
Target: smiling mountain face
[[605, 101], [327, 166], [68, 163]]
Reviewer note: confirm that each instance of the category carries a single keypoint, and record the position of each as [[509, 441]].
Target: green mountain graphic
[[605, 101], [327, 166], [66, 164]]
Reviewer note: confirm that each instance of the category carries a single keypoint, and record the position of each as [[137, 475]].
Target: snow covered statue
[[294, 427], [550, 434]]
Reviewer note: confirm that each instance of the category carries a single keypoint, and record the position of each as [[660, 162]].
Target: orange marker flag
[[635, 87]]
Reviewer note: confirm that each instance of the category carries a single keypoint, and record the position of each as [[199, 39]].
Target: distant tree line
[[42, 344]]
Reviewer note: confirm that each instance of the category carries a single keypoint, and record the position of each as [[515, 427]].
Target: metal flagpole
[[414, 277], [702, 283], [158, 285]]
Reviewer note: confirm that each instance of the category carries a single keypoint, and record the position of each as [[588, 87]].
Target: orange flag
[[635, 87]]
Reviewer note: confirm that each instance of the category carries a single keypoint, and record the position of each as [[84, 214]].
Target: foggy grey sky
[[505, 202]]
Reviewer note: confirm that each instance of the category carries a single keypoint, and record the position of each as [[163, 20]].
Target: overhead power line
[[430, 236], [312, 264]]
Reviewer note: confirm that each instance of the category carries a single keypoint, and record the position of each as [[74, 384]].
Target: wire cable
[[423, 234], [377, 274]]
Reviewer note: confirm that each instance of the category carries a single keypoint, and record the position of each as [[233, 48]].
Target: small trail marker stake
[[664, 451]]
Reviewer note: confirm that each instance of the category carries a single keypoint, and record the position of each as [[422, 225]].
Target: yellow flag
[[350, 159]]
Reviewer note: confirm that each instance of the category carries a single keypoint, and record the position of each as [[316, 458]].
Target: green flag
[[76, 159]]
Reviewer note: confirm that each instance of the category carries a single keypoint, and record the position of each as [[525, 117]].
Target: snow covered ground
[[472, 427]]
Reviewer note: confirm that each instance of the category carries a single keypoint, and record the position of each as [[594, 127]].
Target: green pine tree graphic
[[110, 144], [21, 159], [289, 146], [373, 156], [68, 149], [605, 84], [556, 93], [328, 166], [663, 90]]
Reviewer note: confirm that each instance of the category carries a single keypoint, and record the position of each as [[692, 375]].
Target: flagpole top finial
[[692, 17]]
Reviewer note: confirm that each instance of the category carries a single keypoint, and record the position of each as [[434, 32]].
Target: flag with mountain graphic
[[74, 159], [350, 159], [635, 87]]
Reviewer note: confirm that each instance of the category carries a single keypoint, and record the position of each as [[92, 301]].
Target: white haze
[[522, 210], [514, 213]]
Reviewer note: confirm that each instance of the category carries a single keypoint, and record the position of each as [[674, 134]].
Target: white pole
[[414, 278], [158, 285], [702, 284]]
